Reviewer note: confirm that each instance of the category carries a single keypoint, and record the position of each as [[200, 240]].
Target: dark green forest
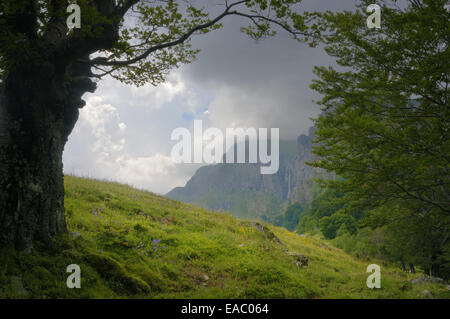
[[384, 131]]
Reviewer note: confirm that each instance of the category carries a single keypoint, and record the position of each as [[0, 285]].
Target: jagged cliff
[[244, 192]]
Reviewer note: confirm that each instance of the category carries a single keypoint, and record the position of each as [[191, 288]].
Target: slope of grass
[[134, 244]]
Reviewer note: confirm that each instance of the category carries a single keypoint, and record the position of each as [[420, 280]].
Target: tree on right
[[384, 128]]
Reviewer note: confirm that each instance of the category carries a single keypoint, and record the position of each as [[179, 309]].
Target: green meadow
[[135, 244]]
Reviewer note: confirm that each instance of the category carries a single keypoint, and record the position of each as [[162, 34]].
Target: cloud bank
[[123, 133]]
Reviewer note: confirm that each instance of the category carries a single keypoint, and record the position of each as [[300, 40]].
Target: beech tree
[[385, 128], [45, 68]]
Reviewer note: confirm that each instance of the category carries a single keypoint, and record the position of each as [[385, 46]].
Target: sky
[[124, 132]]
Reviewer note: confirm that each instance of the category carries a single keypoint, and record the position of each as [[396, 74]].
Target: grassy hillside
[[131, 244], [243, 191]]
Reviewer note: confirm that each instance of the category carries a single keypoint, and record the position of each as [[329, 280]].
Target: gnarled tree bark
[[38, 110], [40, 97]]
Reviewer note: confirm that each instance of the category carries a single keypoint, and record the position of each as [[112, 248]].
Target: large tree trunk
[[38, 109]]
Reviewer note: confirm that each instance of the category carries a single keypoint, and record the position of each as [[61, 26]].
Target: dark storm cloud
[[277, 71], [124, 132]]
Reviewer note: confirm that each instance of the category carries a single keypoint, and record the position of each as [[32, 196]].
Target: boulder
[[427, 294], [427, 279], [268, 234], [299, 259]]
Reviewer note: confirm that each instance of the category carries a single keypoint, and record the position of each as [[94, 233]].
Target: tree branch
[[285, 27], [104, 61], [57, 27], [122, 10], [409, 194]]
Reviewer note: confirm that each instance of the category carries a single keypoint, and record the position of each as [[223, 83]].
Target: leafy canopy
[[385, 129], [134, 41], [385, 126]]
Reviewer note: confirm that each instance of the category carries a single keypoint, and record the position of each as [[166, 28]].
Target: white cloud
[[157, 97], [143, 172], [122, 127], [123, 133], [98, 148], [277, 105], [103, 122]]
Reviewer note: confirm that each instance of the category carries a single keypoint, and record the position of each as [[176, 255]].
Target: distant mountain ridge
[[244, 192]]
